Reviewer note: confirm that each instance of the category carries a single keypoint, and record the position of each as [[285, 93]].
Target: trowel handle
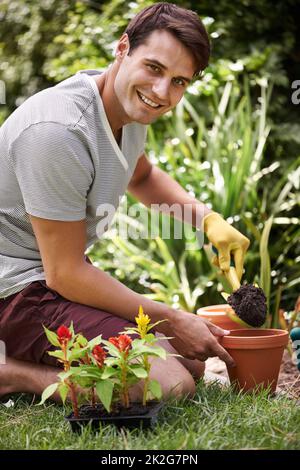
[[214, 249], [230, 275]]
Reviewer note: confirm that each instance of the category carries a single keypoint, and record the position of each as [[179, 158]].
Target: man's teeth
[[147, 101]]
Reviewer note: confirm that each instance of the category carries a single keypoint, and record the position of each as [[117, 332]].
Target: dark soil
[[136, 416], [249, 303], [289, 377], [136, 409]]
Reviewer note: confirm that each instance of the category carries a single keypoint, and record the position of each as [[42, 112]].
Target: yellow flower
[[142, 322]]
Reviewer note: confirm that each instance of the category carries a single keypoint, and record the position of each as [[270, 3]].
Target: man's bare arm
[[151, 185]]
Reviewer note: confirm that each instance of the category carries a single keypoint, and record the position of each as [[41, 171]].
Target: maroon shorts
[[22, 316]]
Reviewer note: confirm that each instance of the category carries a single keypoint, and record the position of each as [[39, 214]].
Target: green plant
[[109, 368], [72, 348]]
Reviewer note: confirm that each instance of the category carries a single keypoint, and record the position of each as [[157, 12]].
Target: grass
[[217, 418]]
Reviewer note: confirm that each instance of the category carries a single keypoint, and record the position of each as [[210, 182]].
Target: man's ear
[[122, 46]]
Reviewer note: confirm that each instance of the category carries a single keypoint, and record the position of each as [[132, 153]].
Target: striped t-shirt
[[59, 160]]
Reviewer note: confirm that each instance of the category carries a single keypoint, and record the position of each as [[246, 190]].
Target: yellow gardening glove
[[230, 243]]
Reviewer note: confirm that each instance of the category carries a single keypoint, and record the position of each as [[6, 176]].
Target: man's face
[[141, 78]]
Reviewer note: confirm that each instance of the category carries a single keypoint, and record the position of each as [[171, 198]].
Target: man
[[65, 153]]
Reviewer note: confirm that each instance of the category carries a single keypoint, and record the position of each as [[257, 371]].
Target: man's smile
[[147, 101]]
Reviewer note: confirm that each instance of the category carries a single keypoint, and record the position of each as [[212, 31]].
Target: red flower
[[125, 342], [99, 355], [122, 342], [63, 335], [114, 341]]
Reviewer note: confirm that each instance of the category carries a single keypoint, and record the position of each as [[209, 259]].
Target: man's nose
[[161, 89]]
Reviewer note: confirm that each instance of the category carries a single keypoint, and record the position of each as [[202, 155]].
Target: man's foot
[[27, 377]]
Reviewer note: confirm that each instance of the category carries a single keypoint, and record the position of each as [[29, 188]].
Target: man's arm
[[62, 246], [151, 185]]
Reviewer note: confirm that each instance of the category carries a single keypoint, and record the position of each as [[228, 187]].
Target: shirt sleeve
[[54, 171]]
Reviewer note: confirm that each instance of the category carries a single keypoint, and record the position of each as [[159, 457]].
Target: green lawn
[[215, 419]]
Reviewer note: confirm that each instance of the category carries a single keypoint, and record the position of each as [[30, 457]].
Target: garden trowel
[[248, 301]]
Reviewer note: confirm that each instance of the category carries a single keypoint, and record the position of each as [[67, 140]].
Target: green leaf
[[155, 388], [109, 372], [63, 391], [77, 354], [65, 375], [149, 350], [58, 354], [130, 331], [48, 392], [155, 351], [81, 341], [158, 351], [113, 350], [139, 372], [150, 338], [52, 337], [225, 295], [104, 390], [95, 341], [112, 361], [71, 328], [234, 317], [265, 267], [156, 323], [91, 372]]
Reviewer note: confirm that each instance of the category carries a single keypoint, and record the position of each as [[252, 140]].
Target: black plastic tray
[[146, 419]]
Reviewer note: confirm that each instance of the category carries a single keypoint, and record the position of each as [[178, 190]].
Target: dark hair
[[184, 24]]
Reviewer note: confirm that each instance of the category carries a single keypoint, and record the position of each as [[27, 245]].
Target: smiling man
[[71, 150]]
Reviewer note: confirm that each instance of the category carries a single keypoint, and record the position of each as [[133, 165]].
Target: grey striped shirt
[[59, 160]]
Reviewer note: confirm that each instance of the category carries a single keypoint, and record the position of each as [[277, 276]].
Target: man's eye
[[153, 67], [179, 82]]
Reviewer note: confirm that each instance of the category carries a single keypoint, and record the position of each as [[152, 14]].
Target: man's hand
[[228, 241], [196, 338]]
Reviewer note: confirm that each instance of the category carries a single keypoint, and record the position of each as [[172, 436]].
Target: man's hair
[[184, 24]]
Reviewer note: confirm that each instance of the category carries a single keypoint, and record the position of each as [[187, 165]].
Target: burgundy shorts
[[22, 316]]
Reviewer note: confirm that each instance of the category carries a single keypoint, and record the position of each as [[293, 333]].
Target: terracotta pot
[[217, 315], [258, 355]]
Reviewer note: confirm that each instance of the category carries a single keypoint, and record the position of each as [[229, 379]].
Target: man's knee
[[174, 378], [180, 387]]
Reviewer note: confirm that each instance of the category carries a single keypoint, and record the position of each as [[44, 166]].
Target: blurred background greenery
[[233, 141]]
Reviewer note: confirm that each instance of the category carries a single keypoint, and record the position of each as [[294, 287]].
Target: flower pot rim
[[214, 310], [219, 315], [255, 338]]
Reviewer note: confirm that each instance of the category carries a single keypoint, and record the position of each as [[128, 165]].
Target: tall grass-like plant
[[279, 273]]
